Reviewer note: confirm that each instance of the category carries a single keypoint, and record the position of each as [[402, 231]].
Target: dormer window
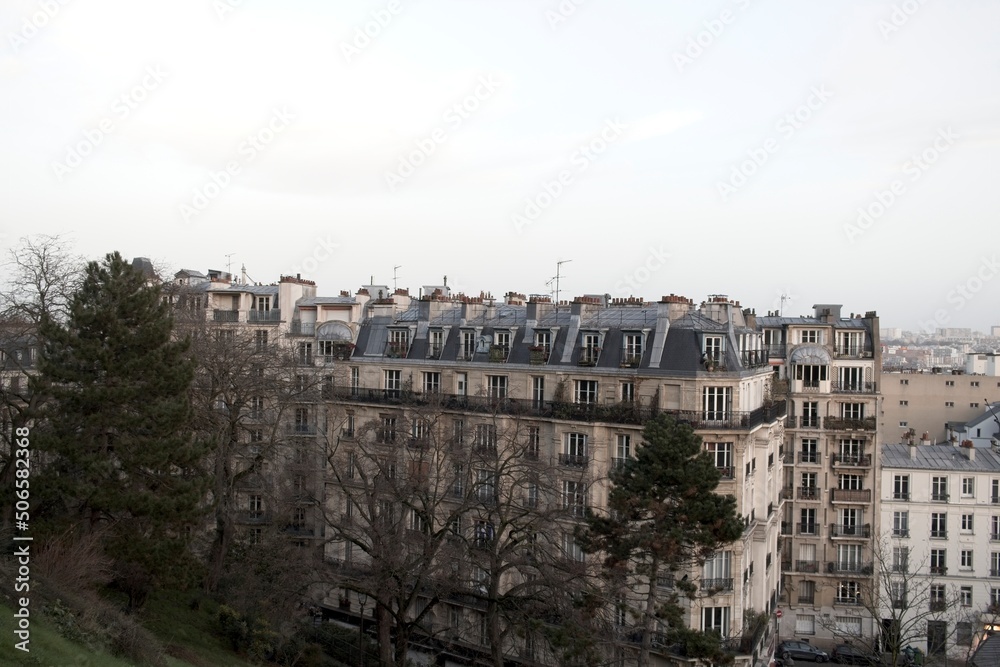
[[468, 344], [501, 346], [436, 344], [590, 349], [632, 350], [543, 339], [399, 343], [712, 349]]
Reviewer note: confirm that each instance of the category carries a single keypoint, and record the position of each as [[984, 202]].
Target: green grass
[[184, 633], [50, 649]]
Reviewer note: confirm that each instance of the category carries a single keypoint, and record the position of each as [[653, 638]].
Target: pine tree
[[116, 425], [665, 516]]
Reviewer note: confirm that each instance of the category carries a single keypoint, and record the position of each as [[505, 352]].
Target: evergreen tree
[[116, 425], [665, 516]]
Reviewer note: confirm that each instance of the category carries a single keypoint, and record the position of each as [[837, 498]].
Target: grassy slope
[[184, 633]]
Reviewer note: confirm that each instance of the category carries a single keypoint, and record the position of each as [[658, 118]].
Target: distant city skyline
[[834, 153]]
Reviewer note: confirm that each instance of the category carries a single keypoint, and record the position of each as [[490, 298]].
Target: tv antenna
[[394, 277], [558, 272], [229, 263], [781, 310]]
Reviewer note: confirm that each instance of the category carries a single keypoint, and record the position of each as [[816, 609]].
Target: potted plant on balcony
[[538, 354], [968, 443]]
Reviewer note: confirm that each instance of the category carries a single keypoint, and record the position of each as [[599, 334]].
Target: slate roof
[[939, 457]]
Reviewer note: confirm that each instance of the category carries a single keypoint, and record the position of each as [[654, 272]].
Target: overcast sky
[[836, 152]]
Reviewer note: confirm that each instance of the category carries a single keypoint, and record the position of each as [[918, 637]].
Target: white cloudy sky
[[117, 112]]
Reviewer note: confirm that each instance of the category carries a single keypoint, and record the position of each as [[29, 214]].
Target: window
[[256, 407], [458, 485], [576, 449], [850, 343], [949, 383], [995, 598], [722, 452], [939, 488], [904, 424], [715, 619], [995, 528], [807, 525], [458, 432], [810, 414], [387, 429], [392, 383], [809, 451], [901, 559], [939, 525], [965, 596], [713, 350], [904, 382], [256, 507], [968, 487], [543, 339], [897, 592], [974, 383], [628, 392], [716, 402], [486, 437], [534, 442], [849, 482], [572, 550], [420, 430], [496, 386], [848, 592], [965, 560], [851, 378], [537, 391], [967, 523], [805, 624], [963, 633], [904, 403], [717, 571], [900, 487], [355, 380], [436, 344], [575, 498], [502, 342], [949, 404], [255, 535], [937, 597], [461, 384], [306, 353], [468, 345], [851, 451], [849, 626], [810, 374], [585, 391], [486, 486], [302, 424], [809, 336], [849, 557], [432, 383], [995, 564], [623, 448], [483, 534], [807, 592], [852, 410], [939, 561], [418, 522], [633, 347], [260, 340]]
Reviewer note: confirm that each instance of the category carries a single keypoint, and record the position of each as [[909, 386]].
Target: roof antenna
[[781, 310], [394, 277], [229, 263], [558, 269]]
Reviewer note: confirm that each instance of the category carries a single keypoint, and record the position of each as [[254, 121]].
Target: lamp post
[[362, 600]]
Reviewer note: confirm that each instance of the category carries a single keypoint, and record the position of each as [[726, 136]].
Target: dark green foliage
[[116, 425], [664, 517]]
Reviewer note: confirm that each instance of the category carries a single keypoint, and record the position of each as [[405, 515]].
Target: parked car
[[845, 654], [801, 651]]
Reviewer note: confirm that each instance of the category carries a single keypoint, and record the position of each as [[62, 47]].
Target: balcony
[[939, 605], [899, 603], [806, 599], [994, 537], [849, 424], [396, 349], [939, 569], [786, 528], [575, 460], [809, 493], [939, 534], [630, 360], [538, 355], [939, 497], [808, 457], [264, 316], [786, 493], [300, 328], [807, 421], [226, 315], [855, 460], [851, 495], [995, 500], [776, 351], [994, 572], [809, 566], [300, 429], [852, 602], [901, 495], [806, 386], [588, 356], [615, 413], [499, 354], [618, 462], [717, 585], [853, 387], [849, 566], [254, 517], [901, 532], [807, 529], [850, 530], [754, 358], [851, 352], [725, 472]]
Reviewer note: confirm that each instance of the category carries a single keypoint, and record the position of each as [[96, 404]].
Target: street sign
[[778, 613]]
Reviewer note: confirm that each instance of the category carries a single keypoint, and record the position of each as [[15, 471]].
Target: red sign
[[778, 613]]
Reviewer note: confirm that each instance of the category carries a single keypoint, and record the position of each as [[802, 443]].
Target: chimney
[[925, 439], [913, 450], [970, 453]]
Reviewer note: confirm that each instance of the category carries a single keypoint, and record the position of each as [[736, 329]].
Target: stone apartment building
[[438, 389], [829, 369]]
